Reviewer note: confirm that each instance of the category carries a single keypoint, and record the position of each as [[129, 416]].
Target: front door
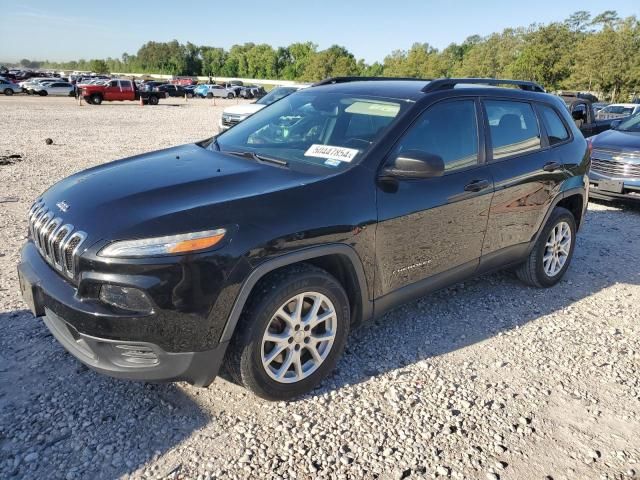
[[526, 167], [430, 226]]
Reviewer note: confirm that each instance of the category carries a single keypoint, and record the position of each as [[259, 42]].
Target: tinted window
[[113, 83], [449, 130], [514, 128], [556, 131], [125, 84]]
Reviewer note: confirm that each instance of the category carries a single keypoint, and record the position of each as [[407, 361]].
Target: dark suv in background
[[259, 249]]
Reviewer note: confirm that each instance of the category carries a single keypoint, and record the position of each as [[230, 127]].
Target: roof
[[415, 89]]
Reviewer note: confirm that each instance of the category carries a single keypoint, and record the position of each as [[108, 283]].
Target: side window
[[113, 83], [513, 126], [125, 84], [556, 131], [447, 129]]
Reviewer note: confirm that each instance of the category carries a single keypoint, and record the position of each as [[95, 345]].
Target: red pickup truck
[[118, 90]]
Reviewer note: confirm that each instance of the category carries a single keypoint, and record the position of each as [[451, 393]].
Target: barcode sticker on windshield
[[329, 151]]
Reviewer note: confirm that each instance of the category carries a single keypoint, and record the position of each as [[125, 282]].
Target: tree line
[[596, 53]]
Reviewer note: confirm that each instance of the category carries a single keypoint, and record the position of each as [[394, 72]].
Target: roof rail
[[333, 80], [446, 83]]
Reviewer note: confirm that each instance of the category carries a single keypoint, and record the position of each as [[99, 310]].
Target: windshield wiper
[[259, 158]]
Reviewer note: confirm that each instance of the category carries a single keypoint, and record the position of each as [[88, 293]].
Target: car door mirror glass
[[414, 164]]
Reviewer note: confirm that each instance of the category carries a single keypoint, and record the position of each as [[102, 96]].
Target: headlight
[[169, 245]]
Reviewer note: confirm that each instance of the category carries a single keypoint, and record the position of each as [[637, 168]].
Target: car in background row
[[584, 116], [28, 85], [174, 90], [615, 161], [211, 90], [8, 87], [237, 113], [618, 110], [64, 89]]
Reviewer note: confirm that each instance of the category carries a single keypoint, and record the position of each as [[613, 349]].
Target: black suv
[[259, 249]]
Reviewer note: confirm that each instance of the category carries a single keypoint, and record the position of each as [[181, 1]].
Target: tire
[[43, 93], [96, 99], [189, 95], [152, 100], [8, 92], [533, 271], [209, 95], [280, 291], [230, 96]]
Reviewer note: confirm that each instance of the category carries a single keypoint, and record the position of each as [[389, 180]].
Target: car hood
[[246, 109], [180, 189], [617, 140]]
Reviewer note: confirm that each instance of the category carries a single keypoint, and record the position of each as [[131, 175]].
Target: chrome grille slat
[[621, 169], [58, 243]]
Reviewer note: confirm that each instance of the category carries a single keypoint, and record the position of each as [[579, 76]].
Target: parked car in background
[[64, 89], [237, 113], [118, 90], [184, 81], [29, 85], [584, 116], [617, 111], [257, 250], [8, 87], [599, 106], [173, 90], [212, 90], [151, 85], [615, 161]]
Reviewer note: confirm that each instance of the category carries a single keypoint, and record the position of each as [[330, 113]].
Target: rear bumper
[[136, 360]]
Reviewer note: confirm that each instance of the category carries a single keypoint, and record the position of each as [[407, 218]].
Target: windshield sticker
[[331, 152], [331, 162], [374, 108]]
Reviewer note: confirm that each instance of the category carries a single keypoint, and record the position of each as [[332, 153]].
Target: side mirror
[[414, 164], [615, 124]]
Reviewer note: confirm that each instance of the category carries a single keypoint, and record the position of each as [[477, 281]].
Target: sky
[[370, 29]]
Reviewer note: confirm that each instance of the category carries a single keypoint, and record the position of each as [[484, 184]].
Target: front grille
[[229, 121], [58, 242], [616, 163]]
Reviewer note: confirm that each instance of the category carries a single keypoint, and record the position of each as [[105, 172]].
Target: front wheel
[[291, 333], [153, 100], [8, 92], [230, 96], [552, 253], [43, 93], [209, 95]]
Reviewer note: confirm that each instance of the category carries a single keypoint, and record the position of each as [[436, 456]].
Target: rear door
[[430, 226], [527, 173], [126, 90]]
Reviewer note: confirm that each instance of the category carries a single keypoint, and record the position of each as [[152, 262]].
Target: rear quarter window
[[556, 130]]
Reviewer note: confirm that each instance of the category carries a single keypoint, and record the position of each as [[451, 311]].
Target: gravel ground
[[488, 379]]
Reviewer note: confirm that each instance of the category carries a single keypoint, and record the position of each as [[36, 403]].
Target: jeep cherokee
[[259, 249]]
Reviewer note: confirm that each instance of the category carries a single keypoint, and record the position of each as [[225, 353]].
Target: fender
[[561, 196], [289, 259]]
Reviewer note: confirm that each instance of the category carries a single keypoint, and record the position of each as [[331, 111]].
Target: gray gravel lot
[[488, 379]]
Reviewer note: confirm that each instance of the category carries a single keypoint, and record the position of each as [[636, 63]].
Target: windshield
[[276, 94], [314, 128], [631, 124], [618, 109]]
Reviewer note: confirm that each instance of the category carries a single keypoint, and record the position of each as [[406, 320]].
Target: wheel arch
[[339, 260]]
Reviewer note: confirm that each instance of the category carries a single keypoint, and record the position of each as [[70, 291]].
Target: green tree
[[98, 66]]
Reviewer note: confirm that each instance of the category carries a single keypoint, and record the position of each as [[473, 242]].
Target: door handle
[[551, 166], [476, 185]]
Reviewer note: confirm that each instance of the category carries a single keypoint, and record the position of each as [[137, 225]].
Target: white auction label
[[329, 151]]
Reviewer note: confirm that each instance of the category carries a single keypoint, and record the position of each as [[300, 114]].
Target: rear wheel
[[153, 100], [209, 95], [230, 96], [43, 93], [8, 91], [96, 99], [552, 253], [291, 334]]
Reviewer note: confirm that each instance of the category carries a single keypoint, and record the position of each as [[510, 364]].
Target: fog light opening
[[125, 298]]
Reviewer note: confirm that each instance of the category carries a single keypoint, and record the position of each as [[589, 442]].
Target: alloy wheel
[[557, 249], [299, 337]]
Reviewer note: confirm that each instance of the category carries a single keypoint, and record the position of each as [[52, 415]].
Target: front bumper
[[630, 187], [156, 347], [136, 360]]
